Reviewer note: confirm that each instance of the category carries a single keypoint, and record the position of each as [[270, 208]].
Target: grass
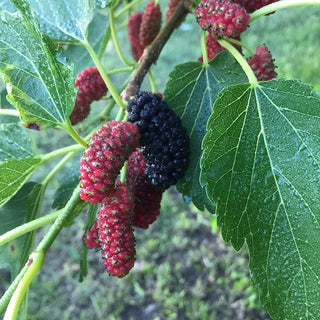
[[183, 268]]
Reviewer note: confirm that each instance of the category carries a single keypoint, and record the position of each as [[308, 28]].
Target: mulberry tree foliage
[[230, 135]]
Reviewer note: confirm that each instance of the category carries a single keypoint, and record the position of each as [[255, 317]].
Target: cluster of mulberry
[[229, 18], [91, 87], [124, 205], [164, 142], [143, 27]]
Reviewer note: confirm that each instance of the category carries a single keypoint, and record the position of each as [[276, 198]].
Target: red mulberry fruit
[[91, 87], [133, 29], [103, 158], [91, 238], [147, 199], [262, 64], [222, 17], [115, 231], [150, 24]]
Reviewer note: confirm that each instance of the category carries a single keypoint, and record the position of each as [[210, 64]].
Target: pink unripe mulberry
[[262, 64], [222, 17]]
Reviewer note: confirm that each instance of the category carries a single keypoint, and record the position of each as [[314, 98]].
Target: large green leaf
[[40, 80], [65, 20], [13, 174], [14, 142], [191, 92], [12, 215], [261, 164]]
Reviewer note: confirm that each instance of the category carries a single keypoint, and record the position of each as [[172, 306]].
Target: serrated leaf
[[78, 54], [14, 142], [13, 174], [261, 163], [39, 79], [12, 215], [65, 20], [191, 92]]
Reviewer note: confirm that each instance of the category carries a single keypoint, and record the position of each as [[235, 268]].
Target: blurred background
[[183, 269]]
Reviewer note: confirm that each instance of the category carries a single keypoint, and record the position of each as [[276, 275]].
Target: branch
[[152, 52]]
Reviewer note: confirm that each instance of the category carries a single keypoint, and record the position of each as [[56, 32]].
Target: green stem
[[115, 39], [242, 44], [9, 112], [280, 5], [241, 60], [204, 48], [126, 8], [119, 70], [34, 264], [60, 152], [48, 239], [104, 75], [120, 115], [27, 227], [152, 83], [58, 167], [73, 133], [104, 42]]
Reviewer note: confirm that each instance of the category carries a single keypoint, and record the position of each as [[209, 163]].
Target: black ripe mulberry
[[164, 143]]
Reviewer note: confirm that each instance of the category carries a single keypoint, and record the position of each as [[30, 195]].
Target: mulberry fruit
[[262, 64], [91, 87], [222, 17], [133, 29], [150, 24], [115, 231], [147, 199], [103, 158], [164, 142], [91, 238]]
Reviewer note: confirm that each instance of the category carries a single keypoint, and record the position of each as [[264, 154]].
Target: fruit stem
[[119, 70], [241, 44], [104, 75], [152, 83], [9, 112], [241, 60], [27, 227], [204, 48], [126, 8], [115, 39], [280, 5], [123, 172], [34, 264], [73, 133]]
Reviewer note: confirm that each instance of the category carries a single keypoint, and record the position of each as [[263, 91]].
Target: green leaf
[[13, 174], [12, 215], [66, 187], [261, 163], [14, 142], [65, 20], [33, 209], [101, 4], [78, 54], [191, 92], [39, 79]]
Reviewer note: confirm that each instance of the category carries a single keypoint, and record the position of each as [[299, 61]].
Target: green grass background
[[183, 269]]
